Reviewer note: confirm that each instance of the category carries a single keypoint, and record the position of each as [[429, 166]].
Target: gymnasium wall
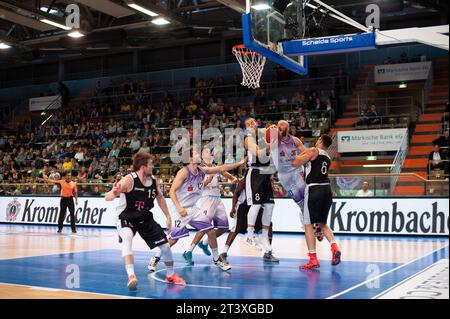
[[384, 216]]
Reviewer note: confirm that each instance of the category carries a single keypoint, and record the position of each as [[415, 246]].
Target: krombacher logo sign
[[84, 213], [392, 221]]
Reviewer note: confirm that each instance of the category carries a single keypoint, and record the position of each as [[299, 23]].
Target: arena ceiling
[[114, 26]]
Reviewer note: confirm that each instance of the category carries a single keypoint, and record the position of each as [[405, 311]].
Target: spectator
[[227, 192], [364, 114], [364, 191], [436, 160], [374, 115], [135, 144]]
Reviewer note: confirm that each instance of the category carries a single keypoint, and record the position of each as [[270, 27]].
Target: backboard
[[264, 28]]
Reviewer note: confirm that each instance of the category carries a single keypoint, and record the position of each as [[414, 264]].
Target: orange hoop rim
[[241, 49]]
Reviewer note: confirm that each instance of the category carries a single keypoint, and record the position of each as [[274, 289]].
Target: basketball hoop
[[252, 65]]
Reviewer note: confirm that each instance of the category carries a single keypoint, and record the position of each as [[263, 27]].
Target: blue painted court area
[[102, 272]]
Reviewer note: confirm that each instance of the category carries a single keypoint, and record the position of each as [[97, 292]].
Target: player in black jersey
[[137, 192], [318, 199], [258, 187]]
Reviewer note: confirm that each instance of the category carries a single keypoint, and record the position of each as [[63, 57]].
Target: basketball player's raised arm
[[123, 186], [299, 145], [163, 205], [223, 168], [176, 185], [305, 157], [253, 148]]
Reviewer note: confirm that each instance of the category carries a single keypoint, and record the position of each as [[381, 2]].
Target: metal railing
[[388, 104], [343, 185], [399, 160], [438, 169]]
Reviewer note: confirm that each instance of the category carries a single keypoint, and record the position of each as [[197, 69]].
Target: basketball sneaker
[[176, 279], [336, 255], [269, 257], [222, 265], [252, 241], [312, 263], [224, 257], [318, 232], [132, 282], [187, 255], [204, 248], [153, 263]]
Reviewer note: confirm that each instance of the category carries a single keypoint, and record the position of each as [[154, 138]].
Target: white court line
[[407, 279], [153, 276], [383, 274], [67, 290]]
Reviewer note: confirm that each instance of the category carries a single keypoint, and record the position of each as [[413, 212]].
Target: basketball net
[[252, 65]]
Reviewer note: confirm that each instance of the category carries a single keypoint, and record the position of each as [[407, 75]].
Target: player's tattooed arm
[[123, 186], [251, 145], [163, 205], [299, 144], [182, 175], [305, 157]]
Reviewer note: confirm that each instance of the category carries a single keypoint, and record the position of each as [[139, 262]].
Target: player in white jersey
[[210, 202], [185, 193]]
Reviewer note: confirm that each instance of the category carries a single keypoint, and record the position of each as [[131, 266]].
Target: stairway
[[426, 131], [350, 115]]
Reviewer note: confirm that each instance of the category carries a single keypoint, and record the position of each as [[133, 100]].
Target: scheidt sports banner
[[402, 72], [328, 45], [406, 216], [370, 140]]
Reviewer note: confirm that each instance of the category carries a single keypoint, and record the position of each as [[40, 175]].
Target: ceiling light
[[76, 34], [142, 9], [4, 46], [160, 21], [45, 9], [403, 85], [261, 6], [56, 24]]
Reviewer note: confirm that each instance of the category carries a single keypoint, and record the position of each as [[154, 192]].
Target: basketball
[[271, 132]]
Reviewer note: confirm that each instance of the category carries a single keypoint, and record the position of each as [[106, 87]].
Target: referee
[[69, 190]]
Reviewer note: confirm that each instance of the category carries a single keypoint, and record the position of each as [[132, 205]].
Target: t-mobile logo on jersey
[[139, 205]]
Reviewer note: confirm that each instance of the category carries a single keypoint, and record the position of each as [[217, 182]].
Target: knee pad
[[166, 253], [267, 214], [127, 241], [253, 214]]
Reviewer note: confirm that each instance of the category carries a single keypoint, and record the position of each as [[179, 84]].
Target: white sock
[[205, 241], [169, 271], [332, 242], [215, 252], [191, 249], [226, 248], [158, 253], [312, 251], [250, 231], [265, 233], [130, 269]]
